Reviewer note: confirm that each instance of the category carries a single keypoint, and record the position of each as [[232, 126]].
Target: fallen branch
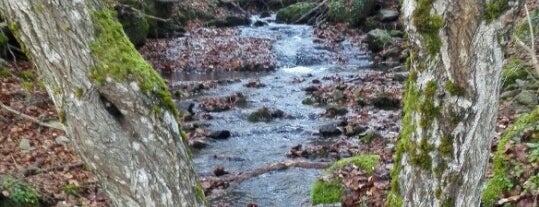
[[33, 119], [126, 6], [51, 169], [239, 177]]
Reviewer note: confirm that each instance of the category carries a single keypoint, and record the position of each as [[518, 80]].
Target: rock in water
[[329, 130], [221, 134]]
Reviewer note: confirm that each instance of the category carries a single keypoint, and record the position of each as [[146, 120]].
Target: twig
[[30, 170], [530, 50], [143, 13], [58, 126], [55, 168], [311, 11], [239, 177]]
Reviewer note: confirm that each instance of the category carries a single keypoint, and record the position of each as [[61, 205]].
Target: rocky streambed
[[269, 93]]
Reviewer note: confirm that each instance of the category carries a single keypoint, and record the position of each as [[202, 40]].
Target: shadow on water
[[253, 145]]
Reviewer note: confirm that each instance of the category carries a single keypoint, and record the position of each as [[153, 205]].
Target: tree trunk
[[451, 101], [116, 108]]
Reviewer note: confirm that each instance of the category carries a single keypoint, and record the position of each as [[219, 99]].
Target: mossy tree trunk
[[115, 107], [451, 101]]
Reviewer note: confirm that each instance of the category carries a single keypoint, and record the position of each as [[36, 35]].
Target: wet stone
[[221, 134], [198, 144], [329, 130]]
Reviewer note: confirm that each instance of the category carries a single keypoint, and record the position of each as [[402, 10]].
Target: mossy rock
[[265, 115], [294, 12], [503, 167], [17, 193], [378, 39], [135, 26], [354, 12], [118, 59], [230, 21], [364, 162], [324, 192], [328, 192], [513, 71]]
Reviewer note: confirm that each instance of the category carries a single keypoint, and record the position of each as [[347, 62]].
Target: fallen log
[[242, 176]]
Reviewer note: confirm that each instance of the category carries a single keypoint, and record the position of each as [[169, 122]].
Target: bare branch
[[33, 119]]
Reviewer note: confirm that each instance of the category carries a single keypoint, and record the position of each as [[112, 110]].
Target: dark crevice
[[111, 108]]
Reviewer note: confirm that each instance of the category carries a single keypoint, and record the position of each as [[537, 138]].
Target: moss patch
[[365, 162], [411, 98], [118, 59], [428, 25], [19, 193], [500, 182], [295, 11], [515, 69], [4, 73], [326, 192], [495, 9], [354, 12], [454, 89]]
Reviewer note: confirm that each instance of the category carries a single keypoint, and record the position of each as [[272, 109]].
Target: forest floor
[[42, 157]]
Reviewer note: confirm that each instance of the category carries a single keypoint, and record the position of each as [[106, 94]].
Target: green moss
[[26, 75], [79, 92], [307, 101], [326, 192], [118, 59], [427, 108], [438, 193], [354, 12], [419, 154], [454, 89], [27, 85], [428, 25], [295, 11], [200, 193], [72, 189], [365, 162], [499, 182], [446, 146], [337, 11], [4, 73], [261, 115], [495, 9], [3, 39], [515, 69], [411, 98], [19, 193]]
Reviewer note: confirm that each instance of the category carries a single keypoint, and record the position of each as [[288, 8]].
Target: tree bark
[[451, 101], [116, 109]]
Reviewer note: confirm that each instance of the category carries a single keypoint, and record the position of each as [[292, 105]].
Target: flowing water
[[253, 145]]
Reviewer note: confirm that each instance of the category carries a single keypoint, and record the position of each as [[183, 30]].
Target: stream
[[253, 145]]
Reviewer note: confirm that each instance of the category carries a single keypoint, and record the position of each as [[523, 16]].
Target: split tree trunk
[[451, 101], [121, 124]]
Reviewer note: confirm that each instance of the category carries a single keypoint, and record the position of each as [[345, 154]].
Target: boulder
[[220, 134], [354, 12], [135, 25], [387, 15], [329, 130], [386, 102], [294, 12], [378, 39], [527, 98], [230, 21]]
